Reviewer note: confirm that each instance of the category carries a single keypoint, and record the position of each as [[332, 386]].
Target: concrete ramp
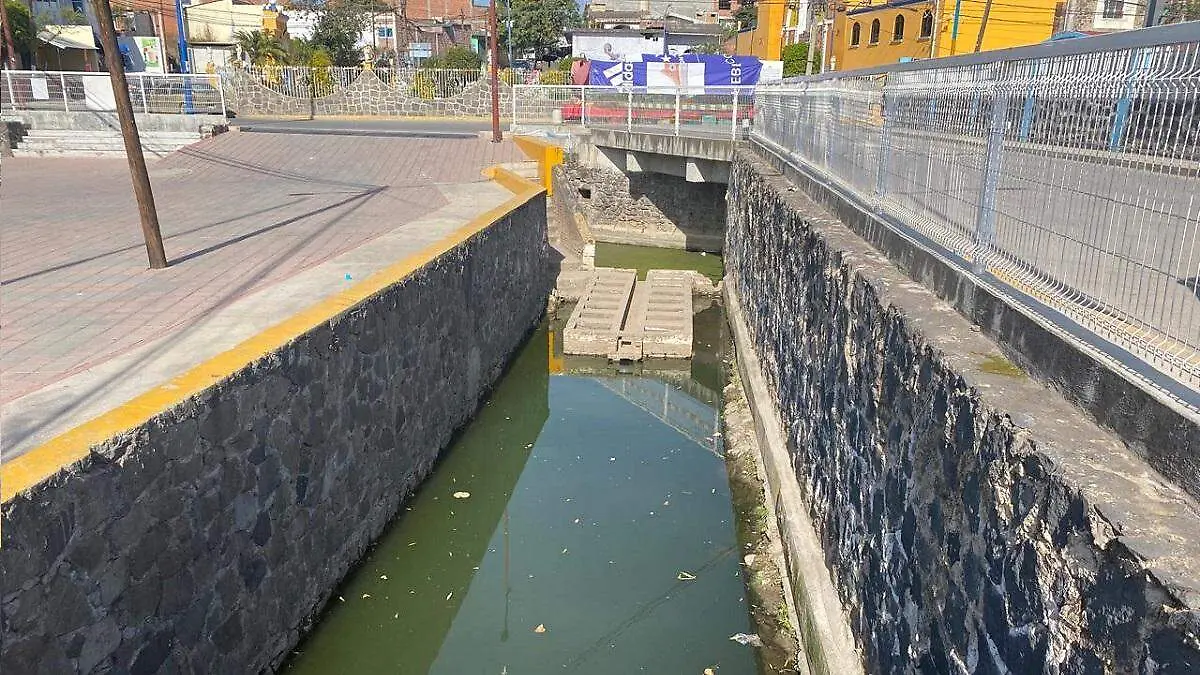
[[664, 322], [627, 320], [595, 325]]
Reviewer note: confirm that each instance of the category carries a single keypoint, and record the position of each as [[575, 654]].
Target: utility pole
[[133, 144], [812, 37], [8, 38], [494, 75], [987, 9]]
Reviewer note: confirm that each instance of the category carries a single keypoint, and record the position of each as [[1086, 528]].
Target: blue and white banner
[[686, 70]]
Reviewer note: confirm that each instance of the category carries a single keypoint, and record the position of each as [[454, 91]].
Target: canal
[[581, 523]]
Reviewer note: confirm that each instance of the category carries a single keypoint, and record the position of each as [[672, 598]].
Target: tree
[[537, 25], [337, 30], [795, 57], [261, 49], [456, 58], [23, 32], [747, 16]]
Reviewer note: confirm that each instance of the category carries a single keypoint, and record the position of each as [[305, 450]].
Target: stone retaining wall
[[972, 519], [647, 209], [205, 540], [367, 94]]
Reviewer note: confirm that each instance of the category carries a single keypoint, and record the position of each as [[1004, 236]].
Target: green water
[[642, 258], [594, 498]]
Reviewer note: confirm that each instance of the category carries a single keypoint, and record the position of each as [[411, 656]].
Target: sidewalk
[[256, 227]]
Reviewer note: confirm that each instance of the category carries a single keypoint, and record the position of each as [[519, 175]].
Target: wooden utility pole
[[8, 37], [495, 76], [133, 144], [987, 9]]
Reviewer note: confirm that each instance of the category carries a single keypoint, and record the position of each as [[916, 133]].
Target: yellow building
[[874, 36], [905, 30], [766, 39]]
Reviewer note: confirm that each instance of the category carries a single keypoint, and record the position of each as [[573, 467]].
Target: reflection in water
[[593, 502]]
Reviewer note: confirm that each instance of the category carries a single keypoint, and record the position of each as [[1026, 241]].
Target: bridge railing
[[66, 91], [723, 112], [1067, 172]]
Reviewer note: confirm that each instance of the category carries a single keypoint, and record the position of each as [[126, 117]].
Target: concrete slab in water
[[596, 323], [627, 320]]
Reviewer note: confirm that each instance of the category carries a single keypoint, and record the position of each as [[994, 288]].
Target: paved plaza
[[240, 214]]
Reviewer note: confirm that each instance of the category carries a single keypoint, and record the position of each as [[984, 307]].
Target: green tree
[[457, 58], [23, 31], [795, 58], [337, 30], [538, 25], [746, 16], [261, 49]]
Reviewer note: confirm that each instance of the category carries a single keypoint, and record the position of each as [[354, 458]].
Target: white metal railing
[[80, 92], [707, 111], [1069, 172]]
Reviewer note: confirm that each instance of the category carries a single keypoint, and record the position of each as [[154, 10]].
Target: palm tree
[[260, 48]]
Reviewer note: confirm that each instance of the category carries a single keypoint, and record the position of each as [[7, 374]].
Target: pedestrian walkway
[[255, 226]]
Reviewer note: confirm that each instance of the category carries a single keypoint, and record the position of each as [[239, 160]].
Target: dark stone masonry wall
[[963, 510], [205, 540]]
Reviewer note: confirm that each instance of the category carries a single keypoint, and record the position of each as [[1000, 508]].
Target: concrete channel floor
[[257, 227]]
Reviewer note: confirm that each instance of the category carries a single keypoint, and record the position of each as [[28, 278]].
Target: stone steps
[[628, 320], [94, 143]]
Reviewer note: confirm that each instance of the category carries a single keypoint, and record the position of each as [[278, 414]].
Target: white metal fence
[[80, 92], [1068, 171], [709, 111]]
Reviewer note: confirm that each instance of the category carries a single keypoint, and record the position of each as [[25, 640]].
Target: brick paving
[[238, 212]]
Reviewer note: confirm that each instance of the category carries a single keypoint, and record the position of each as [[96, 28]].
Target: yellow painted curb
[[548, 155], [44, 461]]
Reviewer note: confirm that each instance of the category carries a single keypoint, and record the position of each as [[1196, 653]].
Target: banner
[[151, 50], [687, 70]]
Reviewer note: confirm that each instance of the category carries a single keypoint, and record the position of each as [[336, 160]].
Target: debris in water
[[461, 495], [341, 598], [412, 543], [449, 595], [541, 628], [612, 459], [529, 445], [564, 551], [685, 576], [667, 503], [576, 521], [744, 639], [709, 671], [365, 596], [396, 615], [383, 576]]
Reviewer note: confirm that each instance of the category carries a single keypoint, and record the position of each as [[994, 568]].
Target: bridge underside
[[697, 159]]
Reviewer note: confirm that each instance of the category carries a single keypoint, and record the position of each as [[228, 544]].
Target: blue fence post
[[985, 216], [185, 65], [1125, 103], [1030, 99]]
